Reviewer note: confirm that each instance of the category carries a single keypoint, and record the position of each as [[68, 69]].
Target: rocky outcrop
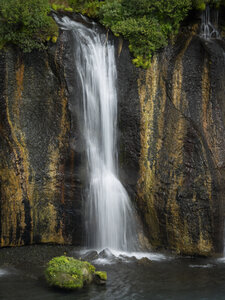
[[37, 182], [171, 140], [180, 189]]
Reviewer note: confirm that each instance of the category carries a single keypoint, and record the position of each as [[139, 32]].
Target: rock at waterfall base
[[71, 274]]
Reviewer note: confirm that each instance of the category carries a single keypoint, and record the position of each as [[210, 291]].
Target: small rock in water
[[106, 253], [90, 255], [144, 261], [100, 277]]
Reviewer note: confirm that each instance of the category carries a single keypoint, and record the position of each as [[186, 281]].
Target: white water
[[4, 272], [208, 26], [109, 216]]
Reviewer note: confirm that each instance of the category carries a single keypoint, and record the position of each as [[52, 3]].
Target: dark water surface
[[21, 277]]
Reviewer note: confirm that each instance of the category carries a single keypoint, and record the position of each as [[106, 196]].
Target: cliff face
[[171, 141], [36, 163], [180, 189]]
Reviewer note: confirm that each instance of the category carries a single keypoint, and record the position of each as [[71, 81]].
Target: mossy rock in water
[[69, 273], [100, 277]]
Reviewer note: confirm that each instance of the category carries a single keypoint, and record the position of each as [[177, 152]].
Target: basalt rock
[[38, 183], [180, 186], [171, 121]]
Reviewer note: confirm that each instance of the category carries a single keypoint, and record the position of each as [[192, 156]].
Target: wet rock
[[144, 261], [106, 253], [71, 274], [178, 108], [171, 141], [90, 255], [40, 195], [100, 278]]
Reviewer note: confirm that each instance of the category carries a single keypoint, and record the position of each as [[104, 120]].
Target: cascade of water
[[209, 24], [109, 216]]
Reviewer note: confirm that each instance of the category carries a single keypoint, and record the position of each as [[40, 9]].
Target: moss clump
[[69, 273], [54, 39], [62, 7], [102, 275]]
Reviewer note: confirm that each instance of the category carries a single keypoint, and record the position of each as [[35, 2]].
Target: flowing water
[[209, 24], [109, 216], [165, 278]]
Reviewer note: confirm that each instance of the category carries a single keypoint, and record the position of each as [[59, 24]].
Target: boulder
[[69, 273]]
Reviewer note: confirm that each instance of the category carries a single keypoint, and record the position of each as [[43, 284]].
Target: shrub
[[145, 24], [26, 23], [86, 7]]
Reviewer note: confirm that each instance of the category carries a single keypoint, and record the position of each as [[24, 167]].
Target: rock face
[[171, 141], [180, 189], [37, 182]]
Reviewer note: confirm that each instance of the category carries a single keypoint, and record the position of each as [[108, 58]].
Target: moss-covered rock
[[100, 277], [69, 273]]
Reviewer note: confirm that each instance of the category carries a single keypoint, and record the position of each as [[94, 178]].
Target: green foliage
[[201, 4], [86, 7], [146, 24], [102, 275], [68, 273], [61, 7], [26, 23], [145, 36]]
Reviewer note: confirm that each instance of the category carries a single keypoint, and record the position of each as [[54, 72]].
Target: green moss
[[87, 7], [102, 275], [54, 39], [2, 44], [62, 7], [68, 273], [69, 9]]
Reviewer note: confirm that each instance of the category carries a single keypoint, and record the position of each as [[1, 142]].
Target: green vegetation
[[62, 5], [26, 23], [201, 4], [86, 7], [69, 273], [146, 24], [102, 275]]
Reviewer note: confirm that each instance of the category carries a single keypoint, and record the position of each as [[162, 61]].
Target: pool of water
[[164, 277]]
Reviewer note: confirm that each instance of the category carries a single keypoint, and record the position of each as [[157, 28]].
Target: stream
[[164, 277]]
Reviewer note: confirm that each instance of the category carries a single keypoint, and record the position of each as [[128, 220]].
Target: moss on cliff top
[[147, 25]]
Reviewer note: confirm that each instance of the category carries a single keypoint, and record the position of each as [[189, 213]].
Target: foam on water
[[3, 272], [202, 266]]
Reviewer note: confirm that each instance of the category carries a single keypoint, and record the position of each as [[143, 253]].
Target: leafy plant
[[145, 24], [86, 7], [26, 23]]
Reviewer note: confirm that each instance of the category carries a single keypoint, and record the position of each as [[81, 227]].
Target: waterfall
[[109, 216], [209, 24]]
